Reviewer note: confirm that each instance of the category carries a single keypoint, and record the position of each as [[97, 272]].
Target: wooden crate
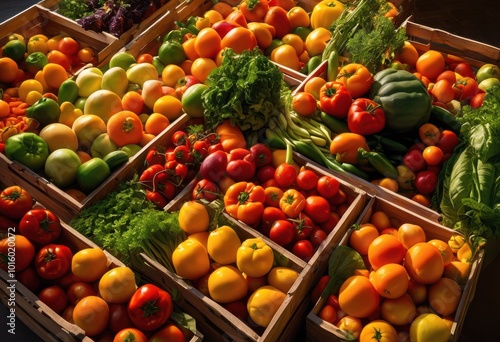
[[64, 205], [127, 36], [320, 330], [46, 323], [425, 38], [39, 20]]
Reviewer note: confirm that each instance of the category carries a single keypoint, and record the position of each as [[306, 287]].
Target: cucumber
[[445, 119], [116, 159]]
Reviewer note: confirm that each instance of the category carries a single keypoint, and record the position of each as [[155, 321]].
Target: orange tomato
[[444, 296], [295, 41], [417, 292], [429, 134], [430, 64], [408, 55], [189, 50], [344, 147], [357, 297], [202, 67], [124, 128], [313, 86], [385, 249], [380, 220], [239, 39], [445, 250], [390, 280], [86, 55], [398, 311], [207, 43], [433, 155], [236, 17], [168, 105], [410, 234], [223, 8], [91, 314], [54, 74], [378, 330], [316, 41], [458, 271], [362, 236], [262, 34], [171, 74], [254, 10], [145, 58], [422, 200], [8, 70], [304, 104], [287, 56], [443, 91], [156, 123], [57, 57], [298, 17], [133, 102], [424, 263]]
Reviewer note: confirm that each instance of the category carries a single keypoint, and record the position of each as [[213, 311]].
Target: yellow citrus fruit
[[54, 75], [171, 74]]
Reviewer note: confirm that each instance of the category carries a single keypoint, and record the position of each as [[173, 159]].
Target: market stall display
[[279, 127]]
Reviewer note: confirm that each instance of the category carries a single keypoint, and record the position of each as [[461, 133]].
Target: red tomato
[[317, 236], [269, 216], [79, 290], [277, 17], [150, 307], [285, 175], [328, 186], [41, 226], [29, 278], [254, 11], [53, 261], [465, 88], [365, 117], [328, 313], [54, 297], [318, 208], [15, 202], [464, 69], [282, 232], [307, 179], [262, 155], [303, 249], [447, 141], [303, 227], [425, 182], [319, 288], [69, 46], [207, 190], [118, 318], [414, 160], [331, 223], [265, 173], [477, 100]]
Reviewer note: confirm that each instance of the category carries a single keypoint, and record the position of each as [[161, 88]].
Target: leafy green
[[245, 88], [374, 45], [125, 223], [74, 9], [342, 263]]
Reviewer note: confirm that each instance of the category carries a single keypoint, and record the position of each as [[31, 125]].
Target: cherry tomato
[[303, 249], [425, 182], [265, 173], [477, 100], [464, 69], [206, 189], [429, 133], [328, 313], [79, 290], [414, 160], [303, 226], [118, 318], [318, 208], [54, 297], [328, 186], [317, 236], [285, 175], [269, 216], [433, 155]]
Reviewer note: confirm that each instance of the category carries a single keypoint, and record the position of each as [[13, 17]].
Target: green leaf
[[342, 263]]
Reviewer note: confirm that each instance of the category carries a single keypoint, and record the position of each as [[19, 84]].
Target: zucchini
[[116, 159]]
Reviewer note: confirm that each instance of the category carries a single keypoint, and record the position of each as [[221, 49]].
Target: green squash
[[404, 98]]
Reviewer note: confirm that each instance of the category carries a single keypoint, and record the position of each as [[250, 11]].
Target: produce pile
[[422, 125], [84, 287]]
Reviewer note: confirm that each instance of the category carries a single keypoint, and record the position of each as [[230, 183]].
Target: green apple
[[122, 59], [489, 82]]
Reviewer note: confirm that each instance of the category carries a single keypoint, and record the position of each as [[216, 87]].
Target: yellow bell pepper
[[254, 257], [324, 13]]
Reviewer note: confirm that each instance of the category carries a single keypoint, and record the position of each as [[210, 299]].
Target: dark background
[[478, 20]]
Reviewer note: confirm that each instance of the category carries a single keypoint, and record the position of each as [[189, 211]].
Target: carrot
[[13, 104]]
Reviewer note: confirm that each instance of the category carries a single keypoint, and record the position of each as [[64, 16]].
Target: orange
[[8, 70], [295, 41], [4, 109], [430, 64], [168, 105], [202, 67]]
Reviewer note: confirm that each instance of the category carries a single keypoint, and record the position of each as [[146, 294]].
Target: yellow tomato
[[117, 285], [429, 327], [190, 260], [91, 314], [316, 41], [222, 245], [325, 13], [282, 278], [89, 264], [193, 217], [226, 284], [264, 303]]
